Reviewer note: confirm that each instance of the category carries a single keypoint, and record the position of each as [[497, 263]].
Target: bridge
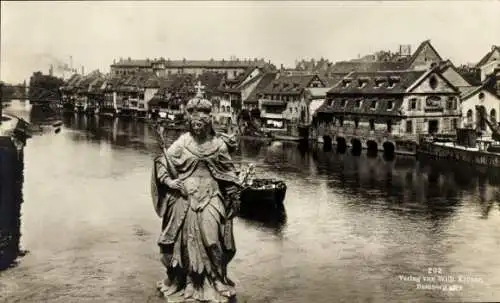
[[360, 138], [34, 94]]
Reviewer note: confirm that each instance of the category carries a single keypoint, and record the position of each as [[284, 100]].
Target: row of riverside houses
[[389, 104], [159, 87], [383, 99]]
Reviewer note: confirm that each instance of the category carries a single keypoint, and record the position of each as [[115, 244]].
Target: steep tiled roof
[[377, 82], [289, 84], [214, 63], [419, 50], [211, 81], [351, 106], [237, 84], [265, 80], [471, 75], [332, 79], [347, 66], [487, 56]]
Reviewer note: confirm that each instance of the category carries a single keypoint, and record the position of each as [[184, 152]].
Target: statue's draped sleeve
[[228, 180], [163, 170]]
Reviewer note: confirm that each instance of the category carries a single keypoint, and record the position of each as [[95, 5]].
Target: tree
[[44, 87]]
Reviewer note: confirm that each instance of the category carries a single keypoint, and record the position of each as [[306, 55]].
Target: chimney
[[129, 59], [83, 71], [282, 68], [114, 61]]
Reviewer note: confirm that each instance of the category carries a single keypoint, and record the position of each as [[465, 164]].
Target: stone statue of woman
[[196, 193]]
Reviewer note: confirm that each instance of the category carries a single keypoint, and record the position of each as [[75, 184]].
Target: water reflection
[[120, 133]]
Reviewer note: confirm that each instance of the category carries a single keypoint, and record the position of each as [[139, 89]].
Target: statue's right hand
[[176, 184]]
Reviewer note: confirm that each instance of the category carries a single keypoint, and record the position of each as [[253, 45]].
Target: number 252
[[434, 270]]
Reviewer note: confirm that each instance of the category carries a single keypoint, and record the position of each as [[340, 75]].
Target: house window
[[409, 127], [469, 116], [493, 116], [356, 122], [358, 103], [341, 121], [454, 123], [412, 105], [433, 82], [372, 124], [481, 96], [330, 103], [390, 105], [389, 126], [450, 103], [373, 105], [344, 103]]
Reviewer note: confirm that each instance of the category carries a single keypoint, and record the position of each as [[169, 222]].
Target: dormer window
[[373, 105], [393, 81], [296, 85], [343, 103], [361, 83], [358, 103], [345, 83]]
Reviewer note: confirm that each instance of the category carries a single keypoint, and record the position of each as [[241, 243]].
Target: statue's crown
[[199, 102]]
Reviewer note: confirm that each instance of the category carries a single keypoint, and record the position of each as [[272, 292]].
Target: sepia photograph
[[249, 151]]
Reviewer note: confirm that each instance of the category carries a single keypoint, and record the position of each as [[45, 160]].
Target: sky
[[37, 34]]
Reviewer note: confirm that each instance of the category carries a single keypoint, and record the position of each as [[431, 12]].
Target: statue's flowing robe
[[197, 239]]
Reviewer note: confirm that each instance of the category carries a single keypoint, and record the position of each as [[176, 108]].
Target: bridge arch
[[341, 145], [389, 150], [327, 143], [356, 146], [372, 147]]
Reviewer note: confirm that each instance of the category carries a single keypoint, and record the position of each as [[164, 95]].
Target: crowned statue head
[[199, 115]]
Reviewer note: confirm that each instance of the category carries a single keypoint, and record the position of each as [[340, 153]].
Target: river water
[[356, 227]]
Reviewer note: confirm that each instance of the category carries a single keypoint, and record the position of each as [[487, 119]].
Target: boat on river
[[261, 198]]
